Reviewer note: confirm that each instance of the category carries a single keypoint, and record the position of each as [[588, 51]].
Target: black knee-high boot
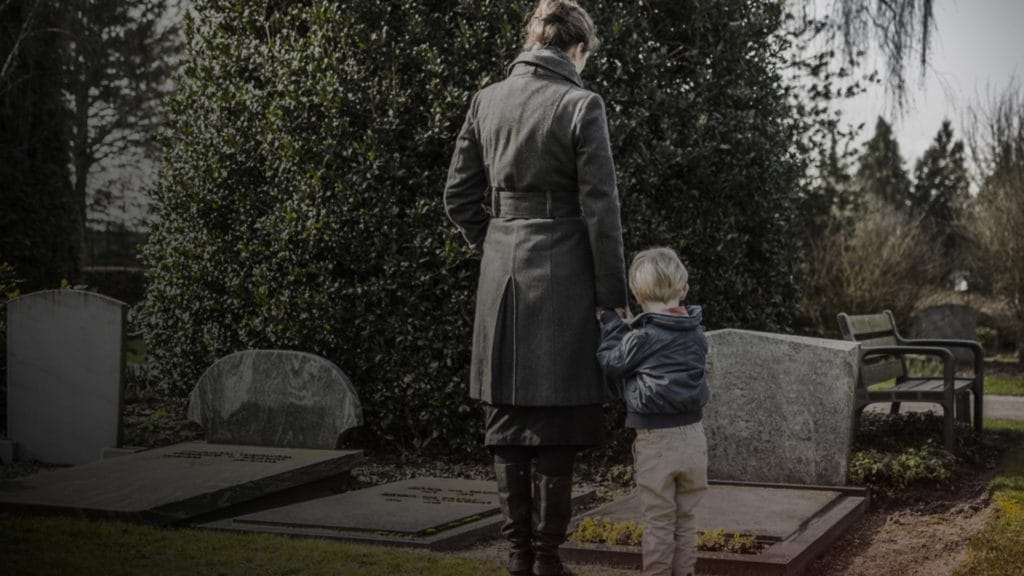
[[552, 510], [514, 497]]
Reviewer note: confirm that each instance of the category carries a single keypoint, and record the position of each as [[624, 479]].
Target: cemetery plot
[[792, 524], [436, 513], [174, 483]]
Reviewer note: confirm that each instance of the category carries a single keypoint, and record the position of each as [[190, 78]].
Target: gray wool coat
[[532, 183]]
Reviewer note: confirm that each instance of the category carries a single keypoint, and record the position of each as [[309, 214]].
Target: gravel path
[[996, 407]]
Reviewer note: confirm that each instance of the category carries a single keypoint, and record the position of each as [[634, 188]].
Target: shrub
[[601, 530], [720, 541], [884, 261], [891, 472], [894, 452], [987, 337], [307, 147]]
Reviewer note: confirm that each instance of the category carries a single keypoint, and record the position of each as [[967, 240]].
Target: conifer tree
[[940, 192], [941, 180], [36, 203], [881, 174]]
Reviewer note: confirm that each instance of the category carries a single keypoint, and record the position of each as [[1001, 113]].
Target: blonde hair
[[562, 24], [657, 275]]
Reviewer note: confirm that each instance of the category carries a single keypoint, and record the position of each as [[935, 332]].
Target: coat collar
[[551, 59], [692, 320]]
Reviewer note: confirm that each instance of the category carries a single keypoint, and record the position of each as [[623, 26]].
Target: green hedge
[[306, 155]]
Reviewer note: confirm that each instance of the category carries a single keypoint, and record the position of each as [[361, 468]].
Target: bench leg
[[894, 409], [979, 402], [947, 427], [963, 408]]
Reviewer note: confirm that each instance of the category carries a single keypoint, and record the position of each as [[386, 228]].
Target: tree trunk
[[82, 161]]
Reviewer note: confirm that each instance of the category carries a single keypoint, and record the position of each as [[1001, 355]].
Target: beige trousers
[[671, 478]]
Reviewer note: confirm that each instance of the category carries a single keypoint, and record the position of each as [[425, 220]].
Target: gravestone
[[65, 362], [948, 322], [793, 524], [435, 513], [174, 483], [275, 398], [781, 407]]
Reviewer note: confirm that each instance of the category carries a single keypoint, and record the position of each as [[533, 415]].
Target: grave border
[[199, 504], [464, 535], [789, 556]]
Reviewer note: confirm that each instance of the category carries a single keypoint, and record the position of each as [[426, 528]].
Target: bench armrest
[[948, 362], [974, 347]]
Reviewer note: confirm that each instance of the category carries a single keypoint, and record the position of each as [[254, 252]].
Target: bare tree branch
[[25, 30]]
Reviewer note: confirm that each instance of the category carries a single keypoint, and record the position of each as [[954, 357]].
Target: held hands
[[624, 313]]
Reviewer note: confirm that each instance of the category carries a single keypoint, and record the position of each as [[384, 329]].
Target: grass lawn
[[996, 550], [55, 545], [994, 385], [1004, 386]]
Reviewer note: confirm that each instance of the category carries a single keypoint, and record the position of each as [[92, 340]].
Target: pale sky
[[977, 47]]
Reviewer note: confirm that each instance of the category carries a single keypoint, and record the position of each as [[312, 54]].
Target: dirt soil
[[924, 534]]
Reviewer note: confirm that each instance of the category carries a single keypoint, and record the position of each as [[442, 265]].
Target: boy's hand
[[625, 313], [600, 311]]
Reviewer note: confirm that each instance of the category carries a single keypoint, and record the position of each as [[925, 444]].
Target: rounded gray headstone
[[275, 398]]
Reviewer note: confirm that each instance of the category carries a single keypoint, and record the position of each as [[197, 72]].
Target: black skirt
[[581, 426]]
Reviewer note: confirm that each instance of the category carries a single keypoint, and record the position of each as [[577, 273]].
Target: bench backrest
[[874, 330]]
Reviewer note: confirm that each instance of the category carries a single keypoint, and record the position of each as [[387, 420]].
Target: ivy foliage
[[894, 453], [307, 149]]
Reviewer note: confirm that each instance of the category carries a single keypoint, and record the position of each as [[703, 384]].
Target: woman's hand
[[625, 313]]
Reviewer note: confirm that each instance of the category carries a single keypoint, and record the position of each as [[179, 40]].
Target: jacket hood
[[691, 321], [551, 59]]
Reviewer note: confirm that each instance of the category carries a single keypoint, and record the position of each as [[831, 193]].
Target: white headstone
[[65, 359], [781, 407]]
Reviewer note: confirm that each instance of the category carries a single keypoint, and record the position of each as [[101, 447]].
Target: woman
[[537, 144]]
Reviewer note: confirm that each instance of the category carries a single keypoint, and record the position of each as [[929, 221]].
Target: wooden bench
[[882, 358]]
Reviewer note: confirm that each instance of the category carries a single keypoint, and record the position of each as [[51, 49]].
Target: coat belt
[[509, 204]]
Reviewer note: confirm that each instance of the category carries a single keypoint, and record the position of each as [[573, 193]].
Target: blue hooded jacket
[[658, 365]]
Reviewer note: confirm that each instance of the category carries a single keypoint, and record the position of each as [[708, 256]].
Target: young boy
[[659, 361]]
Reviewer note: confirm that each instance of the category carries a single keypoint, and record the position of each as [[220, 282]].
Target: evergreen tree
[[941, 180], [831, 199], [881, 174], [940, 193], [119, 61], [35, 188]]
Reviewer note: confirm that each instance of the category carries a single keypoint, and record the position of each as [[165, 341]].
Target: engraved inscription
[[227, 455], [435, 495]]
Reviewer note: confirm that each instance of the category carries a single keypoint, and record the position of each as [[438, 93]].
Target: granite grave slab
[[795, 524], [434, 513], [275, 398], [175, 483], [781, 407], [65, 364]]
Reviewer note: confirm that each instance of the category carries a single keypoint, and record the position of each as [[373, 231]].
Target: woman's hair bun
[[560, 23]]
